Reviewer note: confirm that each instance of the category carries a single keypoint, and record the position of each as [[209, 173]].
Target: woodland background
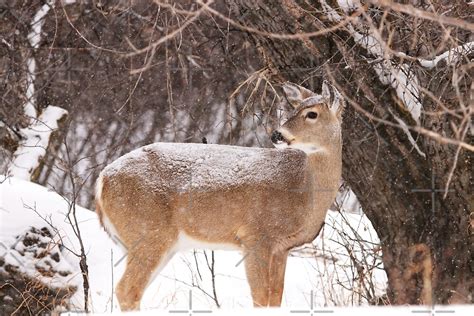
[[130, 73]]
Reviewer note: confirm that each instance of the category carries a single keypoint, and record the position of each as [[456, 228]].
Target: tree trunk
[[426, 240]]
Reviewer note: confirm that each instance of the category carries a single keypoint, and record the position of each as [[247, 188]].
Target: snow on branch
[[451, 56], [398, 75], [410, 137], [37, 135], [27, 157], [34, 37]]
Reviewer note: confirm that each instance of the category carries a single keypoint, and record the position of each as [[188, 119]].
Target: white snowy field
[[321, 273], [457, 310]]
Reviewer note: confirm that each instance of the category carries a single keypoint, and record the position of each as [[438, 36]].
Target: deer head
[[315, 125]]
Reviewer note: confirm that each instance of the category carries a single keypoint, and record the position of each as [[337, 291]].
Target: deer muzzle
[[277, 137]]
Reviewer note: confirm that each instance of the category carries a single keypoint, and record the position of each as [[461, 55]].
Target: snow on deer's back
[[182, 166]]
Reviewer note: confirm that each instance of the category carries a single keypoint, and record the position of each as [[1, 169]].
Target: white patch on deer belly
[[186, 242]]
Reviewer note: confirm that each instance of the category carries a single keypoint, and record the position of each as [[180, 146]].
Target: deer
[[168, 197]]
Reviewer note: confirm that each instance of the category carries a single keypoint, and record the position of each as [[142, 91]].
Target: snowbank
[[24, 204]]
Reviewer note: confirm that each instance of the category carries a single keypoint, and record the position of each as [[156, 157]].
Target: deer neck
[[324, 174]]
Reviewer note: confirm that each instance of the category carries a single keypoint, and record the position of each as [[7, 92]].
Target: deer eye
[[311, 115]]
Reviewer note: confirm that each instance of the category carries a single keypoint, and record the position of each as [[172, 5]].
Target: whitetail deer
[[166, 197]]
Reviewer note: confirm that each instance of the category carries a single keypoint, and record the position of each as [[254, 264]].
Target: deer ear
[[326, 91], [334, 99], [338, 104], [296, 94]]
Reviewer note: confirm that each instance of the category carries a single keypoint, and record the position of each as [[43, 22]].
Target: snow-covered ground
[[314, 283], [322, 270], [457, 310]]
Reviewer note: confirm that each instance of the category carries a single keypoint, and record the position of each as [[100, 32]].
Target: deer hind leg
[[144, 261], [277, 277]]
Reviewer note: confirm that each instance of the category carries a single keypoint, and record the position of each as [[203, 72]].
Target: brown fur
[[265, 220]]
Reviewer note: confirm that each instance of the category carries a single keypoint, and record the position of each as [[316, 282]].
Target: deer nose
[[277, 137]]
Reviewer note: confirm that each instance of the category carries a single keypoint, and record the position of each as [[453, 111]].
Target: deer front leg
[[277, 277], [257, 268]]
